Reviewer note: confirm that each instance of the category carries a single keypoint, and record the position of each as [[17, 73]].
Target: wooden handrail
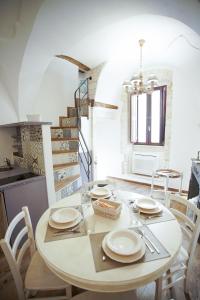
[[81, 66], [102, 104]]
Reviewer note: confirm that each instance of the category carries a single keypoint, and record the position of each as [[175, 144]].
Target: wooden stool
[[166, 174]]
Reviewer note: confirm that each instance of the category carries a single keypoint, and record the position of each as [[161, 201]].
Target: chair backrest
[[188, 216], [14, 253]]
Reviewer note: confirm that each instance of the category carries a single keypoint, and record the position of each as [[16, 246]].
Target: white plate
[[66, 225], [146, 203], [124, 242], [99, 197], [121, 258], [151, 212], [65, 215], [100, 192]]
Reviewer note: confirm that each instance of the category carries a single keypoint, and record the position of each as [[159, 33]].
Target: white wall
[[17, 18], [185, 130], [107, 142], [7, 110], [111, 140], [56, 91]]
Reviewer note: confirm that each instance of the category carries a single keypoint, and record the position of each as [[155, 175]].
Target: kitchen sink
[[15, 178]]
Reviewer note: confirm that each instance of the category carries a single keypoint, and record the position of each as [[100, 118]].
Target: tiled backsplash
[[32, 149]]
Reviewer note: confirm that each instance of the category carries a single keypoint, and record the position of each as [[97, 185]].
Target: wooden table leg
[[158, 292]]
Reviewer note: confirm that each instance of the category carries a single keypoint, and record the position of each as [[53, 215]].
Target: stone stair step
[[63, 151], [64, 166], [64, 157], [85, 101], [61, 184], [84, 111], [64, 132], [65, 172], [71, 111], [69, 189], [68, 121], [65, 144], [64, 139]]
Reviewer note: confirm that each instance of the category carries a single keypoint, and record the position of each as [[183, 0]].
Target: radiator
[[145, 163]]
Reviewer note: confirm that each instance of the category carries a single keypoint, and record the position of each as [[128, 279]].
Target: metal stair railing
[[80, 95]]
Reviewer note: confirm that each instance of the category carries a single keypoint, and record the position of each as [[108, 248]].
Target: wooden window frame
[[163, 97]]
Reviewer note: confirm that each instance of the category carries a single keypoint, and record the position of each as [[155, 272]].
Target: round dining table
[[72, 260]]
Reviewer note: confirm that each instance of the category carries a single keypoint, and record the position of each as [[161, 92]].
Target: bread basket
[[107, 208]]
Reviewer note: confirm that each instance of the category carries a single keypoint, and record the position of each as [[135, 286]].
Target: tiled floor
[[7, 289]]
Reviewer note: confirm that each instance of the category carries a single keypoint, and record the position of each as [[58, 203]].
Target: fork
[[74, 229], [154, 216]]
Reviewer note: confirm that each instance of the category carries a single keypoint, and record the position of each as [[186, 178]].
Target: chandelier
[[137, 85]]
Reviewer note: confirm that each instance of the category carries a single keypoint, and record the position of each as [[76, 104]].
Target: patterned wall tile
[[57, 133], [32, 150], [35, 133]]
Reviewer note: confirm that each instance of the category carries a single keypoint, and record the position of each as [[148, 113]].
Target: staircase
[[71, 157]]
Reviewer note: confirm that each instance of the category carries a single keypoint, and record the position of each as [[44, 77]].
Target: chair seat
[[182, 256], [39, 277], [168, 173]]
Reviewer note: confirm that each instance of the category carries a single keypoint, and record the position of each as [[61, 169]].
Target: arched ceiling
[[93, 31]]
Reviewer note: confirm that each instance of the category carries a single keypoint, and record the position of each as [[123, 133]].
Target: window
[[148, 117]]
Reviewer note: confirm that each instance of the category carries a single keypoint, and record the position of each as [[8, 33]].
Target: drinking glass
[[88, 212], [133, 213]]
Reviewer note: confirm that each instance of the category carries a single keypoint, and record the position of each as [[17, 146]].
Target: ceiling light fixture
[[137, 85]]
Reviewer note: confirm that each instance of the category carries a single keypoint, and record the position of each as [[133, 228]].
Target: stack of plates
[[148, 206], [124, 246], [65, 218], [100, 192]]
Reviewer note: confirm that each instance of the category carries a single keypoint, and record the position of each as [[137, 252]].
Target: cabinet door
[[3, 217], [31, 193]]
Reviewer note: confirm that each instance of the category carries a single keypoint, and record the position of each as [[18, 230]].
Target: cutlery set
[[148, 242]]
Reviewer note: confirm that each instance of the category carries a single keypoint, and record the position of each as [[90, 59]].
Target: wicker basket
[[112, 210]]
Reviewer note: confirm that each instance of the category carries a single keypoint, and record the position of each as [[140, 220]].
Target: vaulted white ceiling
[[94, 31]]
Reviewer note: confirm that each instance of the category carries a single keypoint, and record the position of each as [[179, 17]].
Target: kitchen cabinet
[[30, 192]]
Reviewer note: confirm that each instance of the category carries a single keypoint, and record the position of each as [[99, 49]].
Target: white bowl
[[123, 258], [146, 203], [100, 192], [65, 225], [124, 242], [65, 215]]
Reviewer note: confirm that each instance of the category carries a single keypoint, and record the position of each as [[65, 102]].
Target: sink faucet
[[8, 163]]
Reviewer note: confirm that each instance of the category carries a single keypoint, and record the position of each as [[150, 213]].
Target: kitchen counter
[[14, 172], [17, 176]]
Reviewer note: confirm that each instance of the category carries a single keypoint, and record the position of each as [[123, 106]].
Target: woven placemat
[[150, 219], [109, 264], [53, 234]]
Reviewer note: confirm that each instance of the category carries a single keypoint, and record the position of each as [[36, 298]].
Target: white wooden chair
[[38, 277], [188, 215]]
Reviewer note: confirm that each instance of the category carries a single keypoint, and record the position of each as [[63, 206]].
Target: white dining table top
[[72, 260]]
